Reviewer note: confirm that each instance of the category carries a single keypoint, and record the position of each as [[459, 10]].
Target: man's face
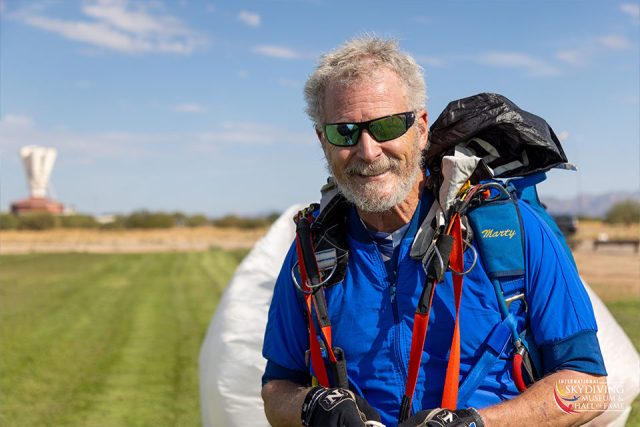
[[374, 176]]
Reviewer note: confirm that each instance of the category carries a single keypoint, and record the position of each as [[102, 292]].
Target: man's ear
[[422, 120], [318, 134]]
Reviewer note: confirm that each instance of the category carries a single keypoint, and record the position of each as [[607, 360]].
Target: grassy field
[[105, 340], [113, 339]]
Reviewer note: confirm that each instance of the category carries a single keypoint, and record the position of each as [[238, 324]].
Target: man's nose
[[368, 148]]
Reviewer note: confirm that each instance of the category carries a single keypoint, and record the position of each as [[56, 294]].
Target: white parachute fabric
[[231, 363], [622, 362]]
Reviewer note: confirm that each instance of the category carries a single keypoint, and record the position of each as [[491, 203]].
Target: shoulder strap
[[329, 232], [321, 262], [499, 236]]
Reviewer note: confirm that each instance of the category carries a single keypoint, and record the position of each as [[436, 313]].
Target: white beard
[[379, 196]]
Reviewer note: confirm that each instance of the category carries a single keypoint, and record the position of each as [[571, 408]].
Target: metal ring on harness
[[473, 264], [295, 280]]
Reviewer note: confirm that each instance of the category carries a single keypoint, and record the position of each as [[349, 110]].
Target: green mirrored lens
[[342, 134], [388, 128], [382, 129]]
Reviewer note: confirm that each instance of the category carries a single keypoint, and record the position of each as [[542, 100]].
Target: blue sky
[[197, 105]]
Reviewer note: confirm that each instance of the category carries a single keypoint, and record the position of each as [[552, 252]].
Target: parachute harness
[[446, 253], [312, 287]]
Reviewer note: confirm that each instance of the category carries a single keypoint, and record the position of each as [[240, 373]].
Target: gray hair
[[356, 59]]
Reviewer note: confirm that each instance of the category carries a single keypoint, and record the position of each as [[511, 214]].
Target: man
[[371, 311]]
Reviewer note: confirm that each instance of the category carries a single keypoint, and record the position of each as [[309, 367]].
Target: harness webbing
[[315, 301], [456, 261], [418, 337], [314, 346], [421, 323]]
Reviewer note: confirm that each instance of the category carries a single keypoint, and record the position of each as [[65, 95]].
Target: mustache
[[359, 167]]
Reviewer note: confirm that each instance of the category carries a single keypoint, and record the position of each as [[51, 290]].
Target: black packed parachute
[[511, 141]]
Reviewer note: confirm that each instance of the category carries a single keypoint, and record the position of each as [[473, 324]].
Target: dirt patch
[[613, 272], [105, 241], [591, 230]]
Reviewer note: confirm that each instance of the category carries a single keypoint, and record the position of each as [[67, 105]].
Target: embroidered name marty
[[491, 233]]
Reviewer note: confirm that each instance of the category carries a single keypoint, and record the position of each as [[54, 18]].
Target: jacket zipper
[[397, 329]]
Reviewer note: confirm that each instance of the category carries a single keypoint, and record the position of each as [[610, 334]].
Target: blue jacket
[[372, 312]]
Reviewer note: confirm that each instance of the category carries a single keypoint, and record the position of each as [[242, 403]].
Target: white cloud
[[115, 25], [581, 56], [430, 61], [276, 51], [613, 41], [249, 18], [17, 131], [250, 133], [190, 108], [15, 120], [563, 135], [574, 57], [633, 10], [517, 60]]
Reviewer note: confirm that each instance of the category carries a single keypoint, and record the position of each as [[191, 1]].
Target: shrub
[[8, 221], [197, 220], [245, 222], [78, 221], [37, 221], [180, 219], [625, 212], [146, 219]]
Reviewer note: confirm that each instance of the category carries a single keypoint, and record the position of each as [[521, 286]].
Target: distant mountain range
[[587, 204]]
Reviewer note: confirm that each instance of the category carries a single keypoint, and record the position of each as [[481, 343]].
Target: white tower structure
[[38, 163]]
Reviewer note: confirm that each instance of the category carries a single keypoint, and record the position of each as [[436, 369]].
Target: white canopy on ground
[[231, 363]]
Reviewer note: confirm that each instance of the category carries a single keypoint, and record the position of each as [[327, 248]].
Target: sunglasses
[[381, 129]]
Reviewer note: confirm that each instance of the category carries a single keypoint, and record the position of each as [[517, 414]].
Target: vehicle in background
[[568, 224]]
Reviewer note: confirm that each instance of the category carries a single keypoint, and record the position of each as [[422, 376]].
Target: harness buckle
[[516, 297]]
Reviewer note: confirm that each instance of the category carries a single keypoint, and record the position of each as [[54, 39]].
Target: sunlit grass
[[105, 340], [113, 340]]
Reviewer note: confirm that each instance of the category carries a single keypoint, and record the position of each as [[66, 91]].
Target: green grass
[[105, 340], [627, 313], [113, 340]]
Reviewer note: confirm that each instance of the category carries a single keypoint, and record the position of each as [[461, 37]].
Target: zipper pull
[[393, 287]]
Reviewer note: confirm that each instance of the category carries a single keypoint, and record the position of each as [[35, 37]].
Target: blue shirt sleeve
[[273, 371], [560, 312], [286, 336]]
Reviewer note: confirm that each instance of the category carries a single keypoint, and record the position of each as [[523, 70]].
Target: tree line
[[142, 219], [625, 212]]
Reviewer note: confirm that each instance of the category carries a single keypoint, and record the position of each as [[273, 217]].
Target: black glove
[[443, 417], [329, 407]]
